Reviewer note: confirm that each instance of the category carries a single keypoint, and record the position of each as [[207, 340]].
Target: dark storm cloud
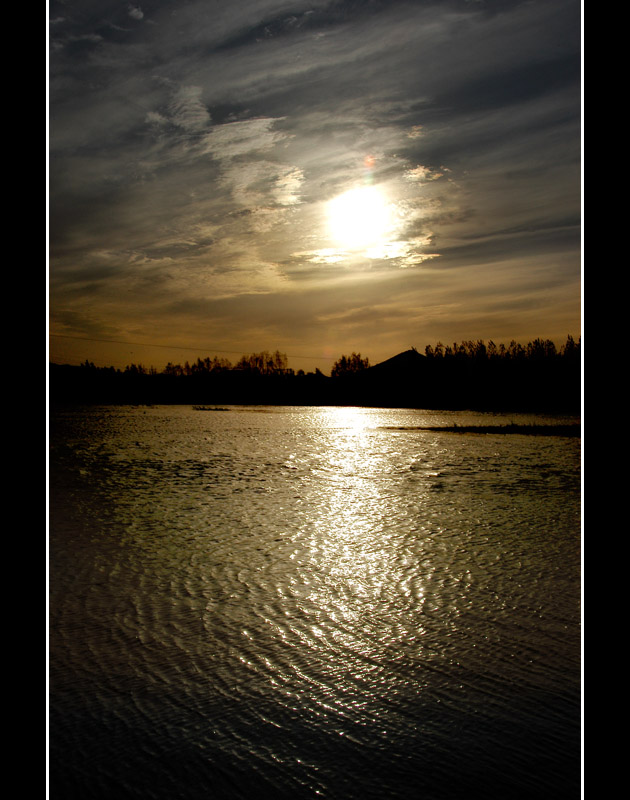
[[193, 149]]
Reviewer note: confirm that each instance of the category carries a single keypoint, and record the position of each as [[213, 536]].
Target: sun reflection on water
[[357, 587]]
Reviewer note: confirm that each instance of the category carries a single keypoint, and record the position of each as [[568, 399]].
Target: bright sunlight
[[359, 218]]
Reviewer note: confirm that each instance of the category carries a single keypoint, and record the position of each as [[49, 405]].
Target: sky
[[318, 177]]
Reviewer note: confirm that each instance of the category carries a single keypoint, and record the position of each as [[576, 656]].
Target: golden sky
[[314, 177]]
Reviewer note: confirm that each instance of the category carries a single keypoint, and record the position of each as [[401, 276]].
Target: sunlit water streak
[[306, 603]]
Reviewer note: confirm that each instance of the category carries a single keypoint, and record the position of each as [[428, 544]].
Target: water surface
[[312, 602]]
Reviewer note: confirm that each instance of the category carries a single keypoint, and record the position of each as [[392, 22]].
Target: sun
[[359, 218]]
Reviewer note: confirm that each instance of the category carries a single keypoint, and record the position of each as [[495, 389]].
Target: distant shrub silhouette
[[469, 374], [349, 365]]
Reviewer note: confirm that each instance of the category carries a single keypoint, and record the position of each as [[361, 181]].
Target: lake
[[312, 603]]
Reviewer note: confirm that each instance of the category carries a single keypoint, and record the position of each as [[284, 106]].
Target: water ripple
[[308, 602]]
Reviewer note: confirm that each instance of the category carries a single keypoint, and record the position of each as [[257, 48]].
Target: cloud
[[187, 111], [241, 138], [422, 174], [287, 186], [192, 162]]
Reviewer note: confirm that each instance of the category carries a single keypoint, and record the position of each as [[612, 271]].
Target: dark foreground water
[[311, 603]]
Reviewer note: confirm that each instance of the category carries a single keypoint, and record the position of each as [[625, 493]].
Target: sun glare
[[359, 218]]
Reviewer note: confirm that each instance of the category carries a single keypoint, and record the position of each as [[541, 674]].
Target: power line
[[170, 346]]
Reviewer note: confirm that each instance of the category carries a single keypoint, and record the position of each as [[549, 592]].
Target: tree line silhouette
[[469, 374], [538, 350]]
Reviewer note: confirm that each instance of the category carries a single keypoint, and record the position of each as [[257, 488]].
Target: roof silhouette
[[409, 359]]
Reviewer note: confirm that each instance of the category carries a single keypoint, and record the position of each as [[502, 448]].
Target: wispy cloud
[[193, 160], [135, 12], [187, 111]]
